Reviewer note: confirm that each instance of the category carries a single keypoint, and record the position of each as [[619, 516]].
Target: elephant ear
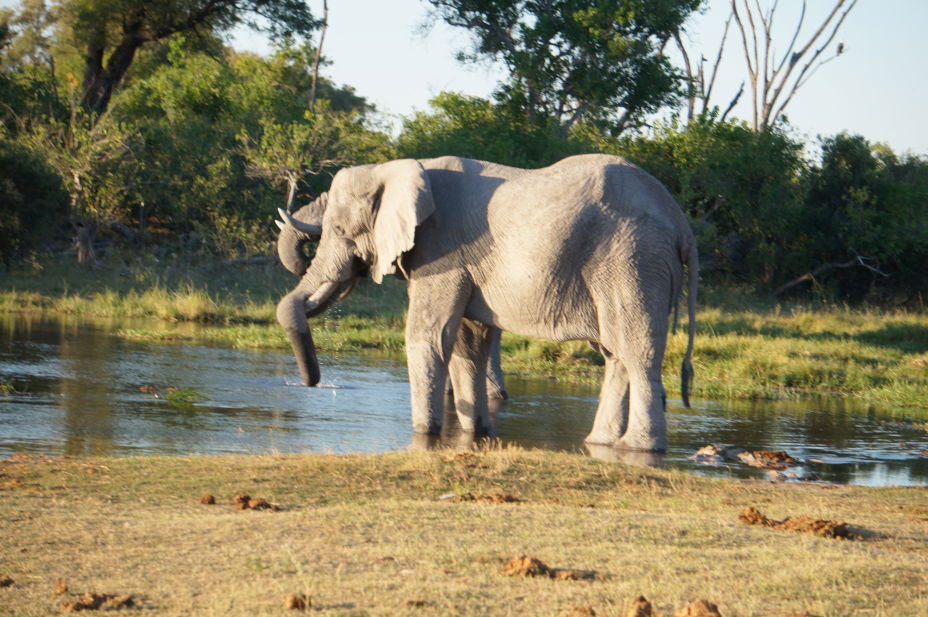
[[405, 201]]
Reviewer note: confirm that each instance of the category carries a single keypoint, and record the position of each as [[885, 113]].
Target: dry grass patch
[[368, 535]]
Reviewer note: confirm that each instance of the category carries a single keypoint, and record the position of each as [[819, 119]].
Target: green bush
[[32, 200]]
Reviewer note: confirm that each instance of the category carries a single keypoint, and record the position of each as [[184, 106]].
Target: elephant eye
[[339, 230]]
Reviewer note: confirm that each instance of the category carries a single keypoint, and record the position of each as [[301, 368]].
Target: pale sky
[[877, 88]]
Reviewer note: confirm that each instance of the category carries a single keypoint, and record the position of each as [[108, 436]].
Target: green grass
[[746, 347], [370, 535]]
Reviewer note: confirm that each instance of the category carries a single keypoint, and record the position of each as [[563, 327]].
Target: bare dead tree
[[701, 88], [775, 82], [318, 59]]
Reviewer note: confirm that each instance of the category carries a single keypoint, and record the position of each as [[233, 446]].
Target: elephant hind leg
[[612, 412], [496, 387], [643, 334]]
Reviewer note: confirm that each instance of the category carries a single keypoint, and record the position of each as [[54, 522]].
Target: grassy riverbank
[[745, 347], [371, 535]]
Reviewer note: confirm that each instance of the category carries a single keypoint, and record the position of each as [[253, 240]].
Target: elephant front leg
[[436, 306], [427, 375], [468, 371], [612, 412]]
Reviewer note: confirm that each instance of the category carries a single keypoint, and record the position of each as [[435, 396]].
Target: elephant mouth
[[339, 294]]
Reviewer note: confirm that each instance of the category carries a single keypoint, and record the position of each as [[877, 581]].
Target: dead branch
[[707, 89], [734, 102], [858, 261], [318, 58]]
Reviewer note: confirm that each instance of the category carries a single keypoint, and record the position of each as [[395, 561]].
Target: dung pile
[[526, 565], [801, 524]]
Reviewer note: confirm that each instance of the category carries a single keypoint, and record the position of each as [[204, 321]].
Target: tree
[[865, 221], [109, 34], [570, 61], [773, 80], [31, 198], [474, 127], [741, 189], [288, 153], [88, 153]]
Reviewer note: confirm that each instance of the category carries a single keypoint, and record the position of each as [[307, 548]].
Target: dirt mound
[[61, 587], [700, 608], [297, 602], [640, 608], [525, 565], [766, 459], [802, 524], [247, 502], [259, 503], [714, 454], [92, 601]]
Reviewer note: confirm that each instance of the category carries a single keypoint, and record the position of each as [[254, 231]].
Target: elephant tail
[[686, 371]]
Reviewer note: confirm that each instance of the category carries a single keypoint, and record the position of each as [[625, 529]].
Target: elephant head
[[294, 239], [370, 220]]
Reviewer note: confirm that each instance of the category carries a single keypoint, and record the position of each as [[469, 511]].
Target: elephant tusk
[[280, 224], [314, 231]]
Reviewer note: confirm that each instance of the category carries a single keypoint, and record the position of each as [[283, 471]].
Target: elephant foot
[[638, 458], [497, 394], [600, 439], [421, 442], [427, 429], [641, 443]]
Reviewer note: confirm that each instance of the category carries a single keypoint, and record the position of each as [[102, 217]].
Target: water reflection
[[77, 391]]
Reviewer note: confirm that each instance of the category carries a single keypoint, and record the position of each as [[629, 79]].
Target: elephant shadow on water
[[591, 248]]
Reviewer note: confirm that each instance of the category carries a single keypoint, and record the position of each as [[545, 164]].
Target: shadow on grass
[[904, 337]]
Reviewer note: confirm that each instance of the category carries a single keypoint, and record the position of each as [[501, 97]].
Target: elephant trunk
[[290, 250], [295, 235], [305, 353], [292, 315]]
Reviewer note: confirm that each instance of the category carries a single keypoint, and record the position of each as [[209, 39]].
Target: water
[[81, 390]]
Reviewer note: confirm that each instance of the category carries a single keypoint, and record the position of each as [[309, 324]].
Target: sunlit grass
[[368, 534]]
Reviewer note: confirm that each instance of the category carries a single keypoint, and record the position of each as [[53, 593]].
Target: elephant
[[590, 248], [292, 243]]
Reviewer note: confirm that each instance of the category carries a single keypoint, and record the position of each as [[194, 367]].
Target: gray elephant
[[589, 248], [297, 235]]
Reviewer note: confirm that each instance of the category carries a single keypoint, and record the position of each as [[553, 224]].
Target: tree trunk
[[99, 82], [318, 59], [83, 243]]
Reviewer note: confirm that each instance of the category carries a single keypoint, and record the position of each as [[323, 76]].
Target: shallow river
[[81, 390]]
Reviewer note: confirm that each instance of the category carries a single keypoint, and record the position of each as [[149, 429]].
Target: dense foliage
[[200, 144], [568, 61]]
